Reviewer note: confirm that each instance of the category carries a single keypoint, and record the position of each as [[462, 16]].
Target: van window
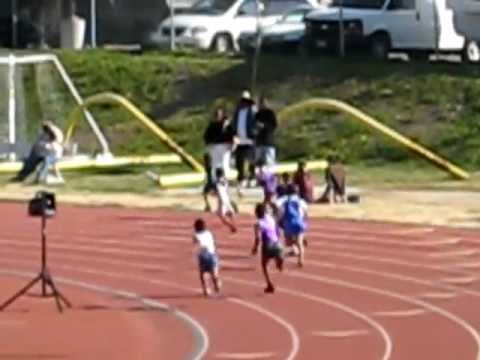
[[360, 4], [280, 7], [401, 5]]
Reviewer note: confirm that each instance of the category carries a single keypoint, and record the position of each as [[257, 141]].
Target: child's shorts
[[207, 262], [290, 230], [272, 251]]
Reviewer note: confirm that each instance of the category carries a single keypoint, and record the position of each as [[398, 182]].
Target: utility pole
[[341, 30], [172, 25], [258, 46], [14, 24], [93, 23]]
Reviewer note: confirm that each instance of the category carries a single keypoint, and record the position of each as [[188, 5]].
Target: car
[[418, 27], [217, 24], [286, 34]]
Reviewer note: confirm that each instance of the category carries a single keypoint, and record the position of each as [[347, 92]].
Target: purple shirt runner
[[269, 230]]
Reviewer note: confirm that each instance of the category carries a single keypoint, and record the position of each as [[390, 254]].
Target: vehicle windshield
[[360, 4], [214, 7]]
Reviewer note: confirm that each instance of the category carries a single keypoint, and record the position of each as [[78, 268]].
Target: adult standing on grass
[[266, 122], [244, 129], [218, 139]]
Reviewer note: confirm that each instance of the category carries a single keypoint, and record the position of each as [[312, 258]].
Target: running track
[[368, 291]]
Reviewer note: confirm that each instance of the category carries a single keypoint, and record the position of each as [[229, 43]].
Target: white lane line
[[388, 343], [435, 243], [294, 337], [245, 356], [96, 259], [101, 250], [469, 265], [438, 295], [400, 313], [342, 334], [254, 307], [200, 333], [386, 260], [420, 303], [455, 253], [460, 280]]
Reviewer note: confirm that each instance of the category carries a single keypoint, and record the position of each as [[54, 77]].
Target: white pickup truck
[[418, 27], [217, 24], [467, 22]]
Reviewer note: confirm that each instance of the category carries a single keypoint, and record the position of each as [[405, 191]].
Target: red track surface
[[368, 291]]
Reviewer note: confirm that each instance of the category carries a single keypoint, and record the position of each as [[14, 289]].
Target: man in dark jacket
[[244, 129], [265, 140]]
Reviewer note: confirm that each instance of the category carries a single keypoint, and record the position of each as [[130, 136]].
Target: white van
[[217, 24], [467, 22], [418, 27]]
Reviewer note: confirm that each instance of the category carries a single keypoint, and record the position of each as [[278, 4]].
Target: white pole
[[78, 99], [11, 107], [93, 23], [437, 28]]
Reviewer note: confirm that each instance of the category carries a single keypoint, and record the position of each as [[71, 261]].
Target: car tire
[[222, 43], [471, 52], [380, 46]]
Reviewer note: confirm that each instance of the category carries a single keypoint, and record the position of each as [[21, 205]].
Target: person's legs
[[215, 279], [265, 259], [301, 249], [228, 219], [29, 166], [250, 155], [47, 163], [240, 156], [204, 284]]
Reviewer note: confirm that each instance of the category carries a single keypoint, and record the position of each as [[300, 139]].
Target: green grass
[[435, 104]]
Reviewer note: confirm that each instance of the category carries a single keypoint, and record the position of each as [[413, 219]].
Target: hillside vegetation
[[436, 104]]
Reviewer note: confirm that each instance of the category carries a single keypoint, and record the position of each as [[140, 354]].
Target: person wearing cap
[[38, 153], [244, 131]]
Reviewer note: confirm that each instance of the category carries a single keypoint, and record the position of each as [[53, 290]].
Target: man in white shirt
[[244, 130]]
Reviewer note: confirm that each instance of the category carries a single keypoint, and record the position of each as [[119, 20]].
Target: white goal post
[[12, 61]]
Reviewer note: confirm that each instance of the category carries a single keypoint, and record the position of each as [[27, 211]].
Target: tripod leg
[[21, 292], [49, 282], [58, 294]]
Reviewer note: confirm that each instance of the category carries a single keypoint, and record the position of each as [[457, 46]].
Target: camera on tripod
[[43, 205]]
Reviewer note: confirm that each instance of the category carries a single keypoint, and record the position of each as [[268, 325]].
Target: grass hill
[[436, 104]]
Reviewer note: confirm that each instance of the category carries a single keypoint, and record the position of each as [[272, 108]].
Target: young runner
[[225, 208], [267, 234], [285, 180], [267, 179], [207, 256], [292, 214]]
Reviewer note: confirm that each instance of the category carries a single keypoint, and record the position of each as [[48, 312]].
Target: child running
[[292, 214], [207, 256], [225, 208], [267, 233], [267, 179]]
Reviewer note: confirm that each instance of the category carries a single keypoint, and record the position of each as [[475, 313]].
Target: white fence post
[[11, 108]]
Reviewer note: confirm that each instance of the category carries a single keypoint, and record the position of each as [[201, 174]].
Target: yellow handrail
[[338, 106], [115, 99]]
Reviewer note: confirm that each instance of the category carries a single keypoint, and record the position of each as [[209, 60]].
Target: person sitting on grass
[[335, 178], [267, 234], [291, 211], [207, 256], [304, 182], [226, 207]]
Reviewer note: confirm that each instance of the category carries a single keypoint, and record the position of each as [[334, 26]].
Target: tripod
[[43, 277]]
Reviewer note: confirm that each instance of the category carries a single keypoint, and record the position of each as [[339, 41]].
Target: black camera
[[43, 204]]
